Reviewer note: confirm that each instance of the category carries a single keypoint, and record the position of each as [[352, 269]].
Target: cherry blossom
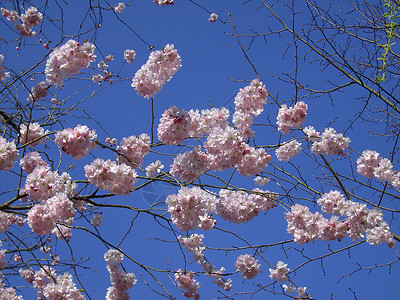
[[248, 266]]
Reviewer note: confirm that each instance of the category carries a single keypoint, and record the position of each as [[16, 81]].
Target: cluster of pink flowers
[[52, 286], [202, 123], [190, 165], [371, 165], [253, 161], [129, 55], [280, 271], [153, 168], [32, 134], [77, 141], [249, 102], [3, 73], [107, 175], [305, 226], [62, 232], [38, 91], [163, 2], [121, 281], [7, 219], [292, 117], [328, 142], [213, 18], [191, 208], [8, 154], [119, 8], [248, 266], [288, 150], [194, 244], [42, 184], [68, 60], [261, 180], [240, 207], [105, 74], [97, 219], [31, 18], [42, 217], [186, 281], [30, 161], [132, 149], [159, 68], [225, 147], [174, 126]]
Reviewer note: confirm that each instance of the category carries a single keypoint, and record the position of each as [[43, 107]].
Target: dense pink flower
[[30, 133], [153, 168], [202, 123], [68, 60], [163, 2], [159, 68], [77, 141], [213, 18], [331, 143], [11, 16], [194, 244], [119, 7], [62, 232], [279, 273], [3, 74], [30, 161], [288, 150], [174, 126], [133, 149], [190, 165], [42, 184], [8, 154], [38, 91], [253, 161], [248, 266], [240, 207], [367, 163], [292, 117], [191, 208], [32, 17], [252, 98], [7, 219], [186, 281], [107, 175], [129, 55]]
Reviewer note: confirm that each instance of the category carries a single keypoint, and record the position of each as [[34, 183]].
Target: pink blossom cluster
[[163, 2], [249, 266], [191, 208], [42, 184], [305, 226], [159, 68], [249, 102], [174, 126], [111, 141], [129, 55], [190, 165], [153, 168], [6, 293], [62, 232], [31, 18], [97, 219], [186, 281], [107, 175], [42, 217], [77, 141], [328, 142], [371, 165], [241, 207], [119, 8], [288, 150], [8, 154], [280, 271], [121, 281], [301, 291], [7, 219], [3, 73], [38, 91], [261, 180], [32, 134], [225, 147], [105, 74], [68, 60], [203, 122], [132, 149], [194, 244], [253, 161], [50, 285], [292, 117], [213, 18]]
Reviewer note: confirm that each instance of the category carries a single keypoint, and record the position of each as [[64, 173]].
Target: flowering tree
[[287, 188]]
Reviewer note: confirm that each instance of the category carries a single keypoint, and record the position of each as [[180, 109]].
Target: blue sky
[[213, 70]]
